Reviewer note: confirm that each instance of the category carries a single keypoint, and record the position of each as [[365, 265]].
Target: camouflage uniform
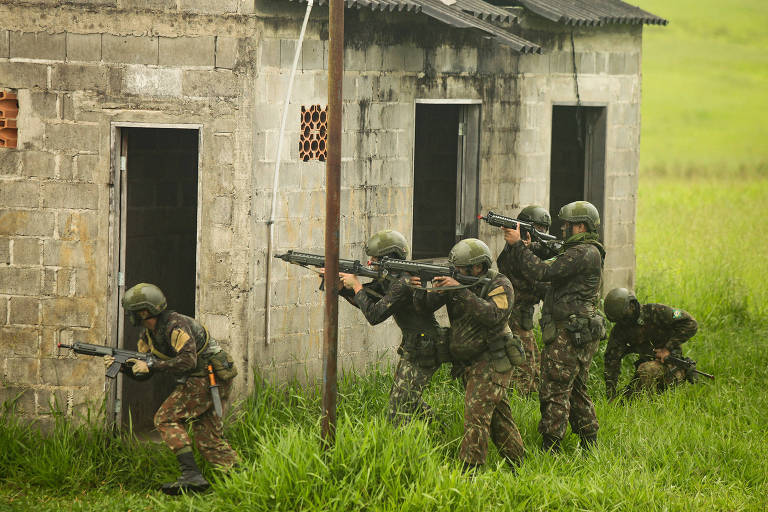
[[657, 326], [526, 377], [378, 301], [476, 316], [183, 347], [571, 332]]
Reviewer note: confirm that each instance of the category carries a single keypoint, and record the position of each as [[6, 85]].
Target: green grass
[[695, 448], [705, 78]]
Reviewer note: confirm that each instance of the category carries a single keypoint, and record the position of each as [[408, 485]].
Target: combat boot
[[587, 442], [191, 480], [550, 443]]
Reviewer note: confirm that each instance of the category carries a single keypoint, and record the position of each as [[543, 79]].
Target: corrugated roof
[[460, 14], [591, 12]]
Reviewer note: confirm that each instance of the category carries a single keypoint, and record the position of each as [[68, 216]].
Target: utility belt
[[505, 350], [426, 348], [223, 365], [584, 329]]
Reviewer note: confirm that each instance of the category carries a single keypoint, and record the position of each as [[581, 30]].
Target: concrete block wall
[[608, 64], [76, 74]]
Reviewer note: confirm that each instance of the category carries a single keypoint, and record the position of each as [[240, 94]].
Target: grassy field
[[696, 448], [705, 78]]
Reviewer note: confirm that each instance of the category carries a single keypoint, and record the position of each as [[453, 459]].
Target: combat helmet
[[470, 251], [535, 214], [618, 304], [581, 211], [143, 296], [385, 242]]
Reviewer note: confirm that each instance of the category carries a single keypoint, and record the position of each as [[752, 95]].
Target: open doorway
[[445, 171], [158, 215], [577, 164]]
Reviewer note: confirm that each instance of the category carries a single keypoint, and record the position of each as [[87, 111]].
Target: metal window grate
[[313, 143], [9, 110]]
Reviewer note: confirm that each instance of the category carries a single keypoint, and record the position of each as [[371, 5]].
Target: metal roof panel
[[591, 12]]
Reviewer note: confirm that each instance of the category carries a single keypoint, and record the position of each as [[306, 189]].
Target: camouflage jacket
[[574, 276], [378, 300], [177, 341], [528, 292], [475, 314], [657, 326]]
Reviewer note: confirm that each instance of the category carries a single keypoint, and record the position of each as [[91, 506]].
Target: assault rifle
[[500, 221], [426, 271], [121, 356], [688, 365], [305, 259]]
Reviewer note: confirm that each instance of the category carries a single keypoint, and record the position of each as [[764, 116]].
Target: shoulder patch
[[179, 338], [499, 297], [496, 291]]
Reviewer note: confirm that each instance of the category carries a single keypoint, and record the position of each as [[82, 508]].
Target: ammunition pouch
[[526, 318], [223, 365], [585, 329], [548, 329], [425, 349], [505, 350]]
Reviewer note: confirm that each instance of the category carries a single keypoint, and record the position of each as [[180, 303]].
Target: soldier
[[182, 346], [378, 300], [654, 331], [528, 293], [483, 349], [571, 324]]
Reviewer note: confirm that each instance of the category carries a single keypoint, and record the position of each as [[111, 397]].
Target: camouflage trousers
[[487, 414], [405, 400], [563, 393], [191, 403], [526, 377]]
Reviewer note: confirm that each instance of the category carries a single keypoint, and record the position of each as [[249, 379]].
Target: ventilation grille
[[9, 110], [313, 143]]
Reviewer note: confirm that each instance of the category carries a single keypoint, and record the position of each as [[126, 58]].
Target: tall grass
[[694, 448]]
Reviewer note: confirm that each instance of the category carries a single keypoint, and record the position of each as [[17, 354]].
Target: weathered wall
[[224, 66]]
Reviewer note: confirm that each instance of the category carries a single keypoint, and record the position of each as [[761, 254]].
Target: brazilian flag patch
[[677, 314]]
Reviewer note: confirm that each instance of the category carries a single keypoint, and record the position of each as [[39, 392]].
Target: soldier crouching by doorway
[[655, 332], [181, 345]]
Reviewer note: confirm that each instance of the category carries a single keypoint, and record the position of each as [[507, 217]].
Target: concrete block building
[[146, 140]]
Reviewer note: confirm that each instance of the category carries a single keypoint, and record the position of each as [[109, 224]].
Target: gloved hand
[[108, 361], [139, 367]]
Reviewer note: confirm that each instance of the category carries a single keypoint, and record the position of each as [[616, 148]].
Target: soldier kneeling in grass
[[654, 331], [181, 345]]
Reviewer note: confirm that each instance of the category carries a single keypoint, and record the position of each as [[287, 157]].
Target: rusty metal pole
[[332, 193]]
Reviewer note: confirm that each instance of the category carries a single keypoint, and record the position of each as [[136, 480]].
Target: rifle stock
[[121, 356]]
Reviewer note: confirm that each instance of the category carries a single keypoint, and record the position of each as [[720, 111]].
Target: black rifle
[[427, 271], [318, 260], [121, 356], [501, 221], [688, 365]]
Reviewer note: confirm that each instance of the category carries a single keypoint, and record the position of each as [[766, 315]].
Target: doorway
[[577, 163], [445, 171], [158, 218]]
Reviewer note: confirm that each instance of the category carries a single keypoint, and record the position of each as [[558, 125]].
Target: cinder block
[[19, 399], [4, 45], [87, 168], [270, 53], [226, 52], [83, 47], [24, 311], [187, 51], [26, 251], [72, 137], [217, 299], [43, 105], [68, 372], [208, 7], [76, 77], [312, 54], [218, 83], [24, 75], [57, 253], [24, 222], [19, 341], [221, 210], [288, 53], [10, 162], [155, 5], [5, 259], [20, 193], [68, 312], [144, 81], [78, 226], [70, 195], [37, 164], [38, 45], [129, 49], [616, 63], [3, 300]]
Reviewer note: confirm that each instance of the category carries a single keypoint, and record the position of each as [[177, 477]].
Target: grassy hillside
[[705, 85]]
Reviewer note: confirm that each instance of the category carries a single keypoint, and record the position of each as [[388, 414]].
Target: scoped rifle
[[121, 356], [500, 221], [305, 259], [426, 271]]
